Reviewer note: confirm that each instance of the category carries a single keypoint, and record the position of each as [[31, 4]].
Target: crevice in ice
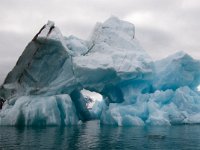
[[89, 49], [73, 70], [125, 56], [21, 119], [113, 93], [50, 30], [61, 110], [1, 102], [35, 37], [133, 33]]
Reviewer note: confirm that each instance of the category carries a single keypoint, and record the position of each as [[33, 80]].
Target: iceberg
[[50, 82]]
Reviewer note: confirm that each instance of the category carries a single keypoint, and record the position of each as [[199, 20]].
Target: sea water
[[91, 135]]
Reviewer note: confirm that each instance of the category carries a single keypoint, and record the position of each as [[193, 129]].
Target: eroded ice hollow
[[55, 78]]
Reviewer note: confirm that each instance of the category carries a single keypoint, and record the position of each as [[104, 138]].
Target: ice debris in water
[[46, 85]]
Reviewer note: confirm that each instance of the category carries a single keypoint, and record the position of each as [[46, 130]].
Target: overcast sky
[[162, 26]]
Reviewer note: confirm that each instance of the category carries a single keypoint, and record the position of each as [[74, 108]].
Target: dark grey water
[[91, 135]]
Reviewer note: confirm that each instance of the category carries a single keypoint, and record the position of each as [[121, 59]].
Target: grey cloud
[[5, 66], [11, 47], [149, 38], [169, 25]]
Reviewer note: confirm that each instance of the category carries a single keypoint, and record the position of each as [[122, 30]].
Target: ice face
[[39, 111], [159, 108], [45, 67], [44, 88], [176, 71]]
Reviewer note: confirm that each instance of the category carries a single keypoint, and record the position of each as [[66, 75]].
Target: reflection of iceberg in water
[[46, 87]]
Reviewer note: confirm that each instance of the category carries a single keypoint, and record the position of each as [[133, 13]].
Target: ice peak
[[178, 56], [113, 19], [113, 30], [50, 23], [45, 30], [114, 23]]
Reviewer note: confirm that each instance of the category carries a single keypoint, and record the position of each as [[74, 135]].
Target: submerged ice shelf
[[46, 87]]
